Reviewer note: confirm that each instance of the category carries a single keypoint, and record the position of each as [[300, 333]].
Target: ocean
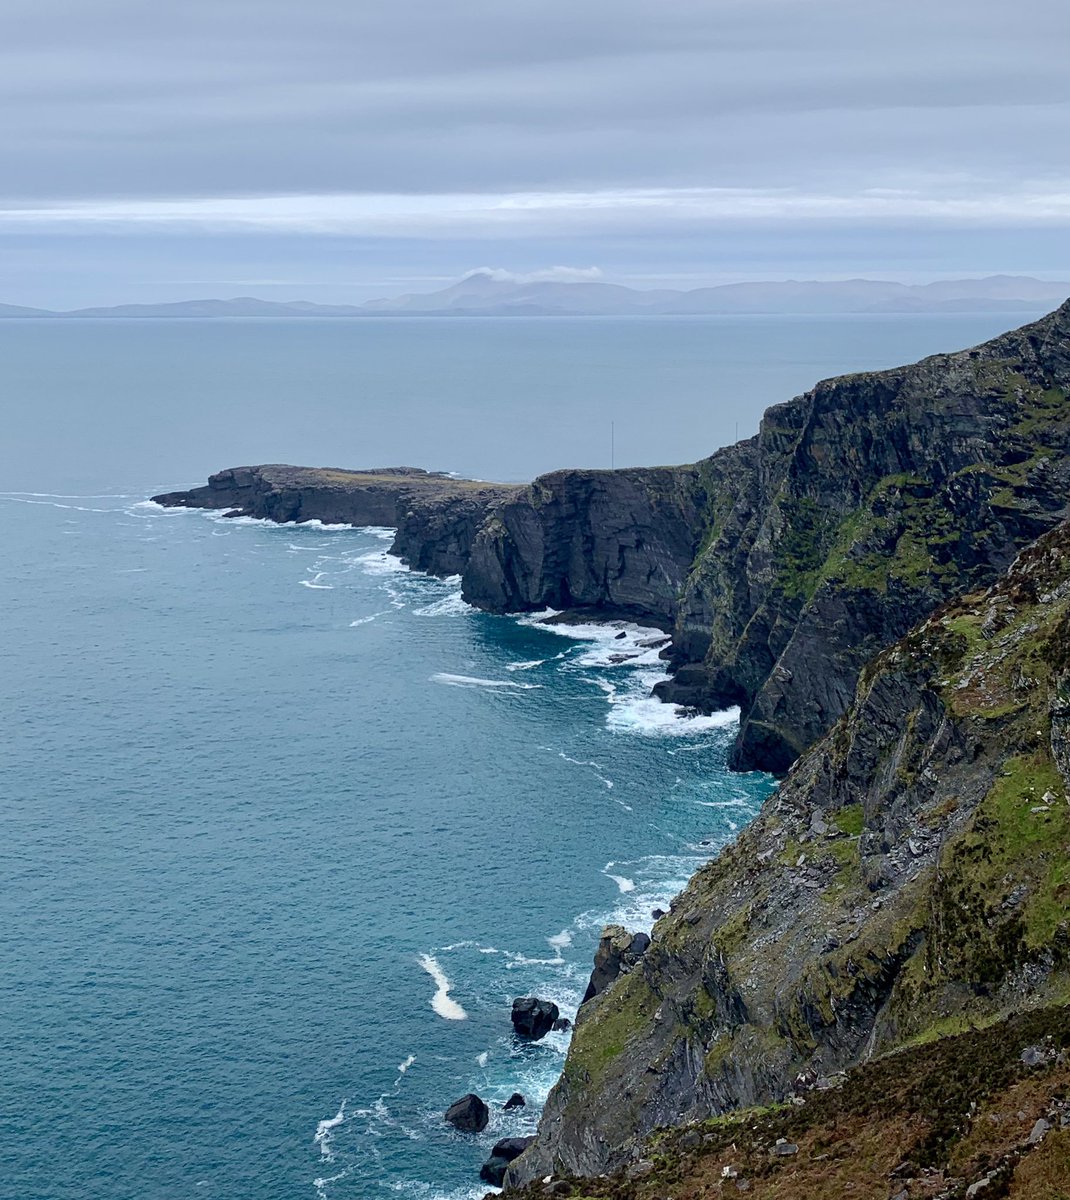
[[284, 827]]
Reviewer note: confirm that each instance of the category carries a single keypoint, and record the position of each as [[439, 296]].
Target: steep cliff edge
[[780, 565], [784, 563], [436, 515], [618, 541], [910, 879]]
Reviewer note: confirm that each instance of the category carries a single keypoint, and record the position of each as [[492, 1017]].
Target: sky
[[337, 150]]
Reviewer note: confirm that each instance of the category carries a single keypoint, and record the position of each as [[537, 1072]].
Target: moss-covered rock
[[908, 880]]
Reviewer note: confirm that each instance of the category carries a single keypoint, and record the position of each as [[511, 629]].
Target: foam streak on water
[[368, 784], [441, 1001]]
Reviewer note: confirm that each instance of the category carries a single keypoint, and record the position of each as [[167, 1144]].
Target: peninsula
[[866, 994]]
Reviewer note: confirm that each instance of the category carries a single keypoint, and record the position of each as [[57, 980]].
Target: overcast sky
[[339, 149]]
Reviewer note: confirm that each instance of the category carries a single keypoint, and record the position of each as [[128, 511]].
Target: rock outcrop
[[978, 1115], [469, 1114], [436, 516], [503, 1153], [533, 1018], [908, 880], [618, 951]]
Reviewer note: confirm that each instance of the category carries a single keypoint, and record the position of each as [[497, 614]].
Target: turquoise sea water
[[283, 826]]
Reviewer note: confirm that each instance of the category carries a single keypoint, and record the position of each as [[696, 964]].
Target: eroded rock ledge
[[436, 516]]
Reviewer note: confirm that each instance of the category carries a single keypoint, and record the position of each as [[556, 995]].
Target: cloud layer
[[532, 119]]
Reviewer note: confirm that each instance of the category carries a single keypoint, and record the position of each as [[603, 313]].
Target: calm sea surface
[[283, 826]]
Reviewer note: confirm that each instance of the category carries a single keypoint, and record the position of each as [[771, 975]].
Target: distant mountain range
[[485, 293]]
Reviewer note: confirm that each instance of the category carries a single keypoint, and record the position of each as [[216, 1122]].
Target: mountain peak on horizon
[[489, 291]]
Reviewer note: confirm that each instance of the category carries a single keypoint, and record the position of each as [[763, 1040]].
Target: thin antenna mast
[[612, 445]]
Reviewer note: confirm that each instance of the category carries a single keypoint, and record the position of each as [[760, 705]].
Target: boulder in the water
[[469, 1114], [493, 1171], [618, 951], [516, 1100], [533, 1018], [562, 1025], [502, 1154], [510, 1147]]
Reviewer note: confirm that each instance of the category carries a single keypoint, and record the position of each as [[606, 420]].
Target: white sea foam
[[449, 606], [314, 582], [53, 504], [403, 1067], [324, 1132], [368, 619], [623, 882], [525, 666], [321, 1184], [441, 1001], [597, 767], [632, 709], [614, 643], [483, 1058], [560, 940], [381, 562], [514, 960], [471, 681], [77, 496]]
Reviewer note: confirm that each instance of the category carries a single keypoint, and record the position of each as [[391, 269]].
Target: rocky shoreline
[[880, 579], [780, 565]]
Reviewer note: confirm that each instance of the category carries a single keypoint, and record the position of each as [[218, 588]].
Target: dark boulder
[[516, 1100], [533, 1018], [562, 1025], [503, 1153], [493, 1171], [618, 951], [469, 1114], [510, 1147]]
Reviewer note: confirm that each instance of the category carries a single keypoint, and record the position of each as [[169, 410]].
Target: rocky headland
[[879, 967], [780, 565], [437, 516]]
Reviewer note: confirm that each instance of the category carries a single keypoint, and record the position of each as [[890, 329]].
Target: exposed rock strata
[[618, 951], [784, 563], [982, 1114], [909, 879]]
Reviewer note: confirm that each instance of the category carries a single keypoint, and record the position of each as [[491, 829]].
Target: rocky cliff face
[[909, 879], [783, 564], [611, 541], [436, 516]]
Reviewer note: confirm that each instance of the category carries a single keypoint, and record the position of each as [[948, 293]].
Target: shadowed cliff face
[[617, 541], [910, 879], [785, 563], [782, 564]]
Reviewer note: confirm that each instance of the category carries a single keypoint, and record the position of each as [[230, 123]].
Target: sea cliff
[[784, 563], [780, 565], [907, 881], [880, 578]]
